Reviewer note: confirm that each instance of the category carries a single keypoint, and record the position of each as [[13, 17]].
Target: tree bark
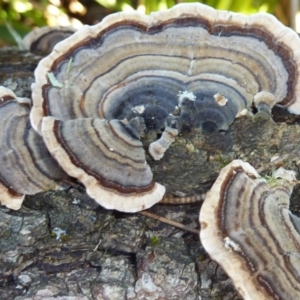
[[62, 244]]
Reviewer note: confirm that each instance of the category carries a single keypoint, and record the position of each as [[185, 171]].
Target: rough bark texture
[[62, 245]]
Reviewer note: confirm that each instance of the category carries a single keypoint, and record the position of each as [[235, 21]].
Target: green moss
[[223, 161], [65, 238], [5, 234], [270, 178], [202, 257], [155, 240], [52, 234]]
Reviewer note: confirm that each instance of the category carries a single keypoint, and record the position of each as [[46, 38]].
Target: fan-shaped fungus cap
[[45, 38], [26, 165], [130, 61], [247, 227], [107, 157]]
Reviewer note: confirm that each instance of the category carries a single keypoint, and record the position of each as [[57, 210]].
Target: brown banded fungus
[[45, 38], [26, 165], [107, 157], [135, 65], [247, 227], [190, 66]]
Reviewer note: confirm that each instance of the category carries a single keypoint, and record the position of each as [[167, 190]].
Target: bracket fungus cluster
[[26, 165], [247, 227], [105, 86], [191, 66]]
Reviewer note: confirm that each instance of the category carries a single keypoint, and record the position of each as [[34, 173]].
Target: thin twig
[[96, 248], [168, 221], [183, 200], [275, 163]]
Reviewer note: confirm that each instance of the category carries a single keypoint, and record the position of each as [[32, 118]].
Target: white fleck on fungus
[[220, 99]]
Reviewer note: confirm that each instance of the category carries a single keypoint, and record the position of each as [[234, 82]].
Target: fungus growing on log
[[45, 38], [107, 157], [247, 227], [131, 61], [26, 165]]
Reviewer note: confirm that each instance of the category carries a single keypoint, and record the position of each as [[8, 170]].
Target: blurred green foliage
[[245, 6], [24, 15]]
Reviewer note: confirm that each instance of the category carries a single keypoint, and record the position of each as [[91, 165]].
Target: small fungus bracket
[[107, 157], [26, 165], [247, 227], [45, 38]]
